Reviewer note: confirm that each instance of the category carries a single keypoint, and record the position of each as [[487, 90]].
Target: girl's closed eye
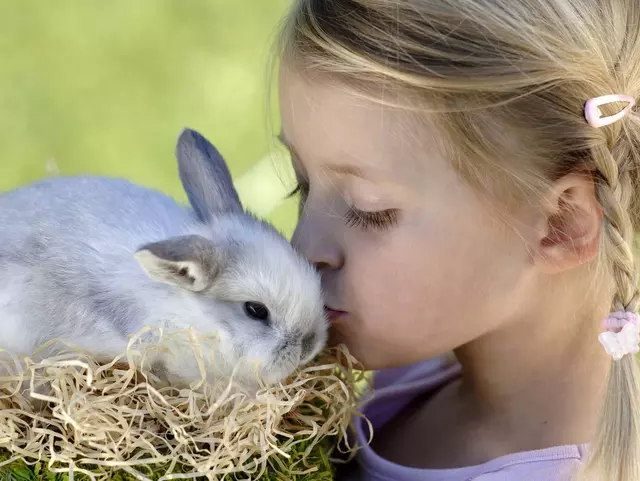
[[354, 217], [370, 215], [379, 220]]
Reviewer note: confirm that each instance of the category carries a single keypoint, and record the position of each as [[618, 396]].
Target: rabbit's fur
[[94, 259]]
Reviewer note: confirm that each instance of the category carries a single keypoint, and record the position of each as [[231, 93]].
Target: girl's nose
[[315, 238]]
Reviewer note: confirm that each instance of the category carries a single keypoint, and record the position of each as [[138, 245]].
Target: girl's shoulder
[[393, 389]]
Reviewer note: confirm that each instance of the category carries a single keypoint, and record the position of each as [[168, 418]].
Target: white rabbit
[[94, 259]]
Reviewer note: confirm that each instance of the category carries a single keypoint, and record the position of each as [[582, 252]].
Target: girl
[[466, 184]]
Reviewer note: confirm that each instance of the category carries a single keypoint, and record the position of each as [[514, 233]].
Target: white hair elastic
[[622, 335]]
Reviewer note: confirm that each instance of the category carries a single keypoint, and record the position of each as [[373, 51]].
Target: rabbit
[[93, 260]]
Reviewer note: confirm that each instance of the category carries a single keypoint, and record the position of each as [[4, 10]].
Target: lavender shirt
[[395, 388]]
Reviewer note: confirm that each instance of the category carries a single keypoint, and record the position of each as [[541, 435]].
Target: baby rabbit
[[92, 260]]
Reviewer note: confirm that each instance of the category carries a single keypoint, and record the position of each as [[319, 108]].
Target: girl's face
[[415, 261]]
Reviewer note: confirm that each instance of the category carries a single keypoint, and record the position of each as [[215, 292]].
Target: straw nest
[[65, 415]]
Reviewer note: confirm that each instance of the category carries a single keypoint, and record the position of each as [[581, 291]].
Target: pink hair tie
[[594, 116], [622, 334]]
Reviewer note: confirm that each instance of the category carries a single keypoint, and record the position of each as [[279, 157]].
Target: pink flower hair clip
[[622, 335], [593, 114]]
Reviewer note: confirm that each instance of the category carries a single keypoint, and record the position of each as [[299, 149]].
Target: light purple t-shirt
[[395, 388]]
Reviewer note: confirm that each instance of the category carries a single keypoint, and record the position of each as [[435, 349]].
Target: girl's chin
[[336, 339], [341, 331]]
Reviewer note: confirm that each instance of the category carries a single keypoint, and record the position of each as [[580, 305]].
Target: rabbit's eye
[[256, 310]]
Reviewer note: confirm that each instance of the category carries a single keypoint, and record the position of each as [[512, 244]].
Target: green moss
[[278, 468]]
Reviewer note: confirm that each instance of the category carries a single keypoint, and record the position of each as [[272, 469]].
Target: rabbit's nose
[[285, 346]]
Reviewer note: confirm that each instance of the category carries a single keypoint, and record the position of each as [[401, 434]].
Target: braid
[[616, 444], [615, 191]]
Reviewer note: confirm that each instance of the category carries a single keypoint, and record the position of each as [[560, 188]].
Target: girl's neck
[[538, 381], [534, 384]]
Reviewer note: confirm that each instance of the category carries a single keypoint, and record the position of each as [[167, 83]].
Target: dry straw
[[92, 420]]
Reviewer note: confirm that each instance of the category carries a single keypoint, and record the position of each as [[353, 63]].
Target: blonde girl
[[468, 180]]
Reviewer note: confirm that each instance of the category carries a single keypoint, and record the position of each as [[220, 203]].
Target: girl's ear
[[572, 219]]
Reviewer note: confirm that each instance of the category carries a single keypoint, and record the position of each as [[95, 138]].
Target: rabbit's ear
[[205, 177], [191, 262]]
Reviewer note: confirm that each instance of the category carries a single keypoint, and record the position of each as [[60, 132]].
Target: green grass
[[105, 87], [20, 471]]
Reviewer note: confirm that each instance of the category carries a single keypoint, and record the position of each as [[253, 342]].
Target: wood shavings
[[84, 417]]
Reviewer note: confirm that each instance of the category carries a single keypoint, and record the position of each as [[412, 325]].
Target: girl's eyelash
[[294, 191], [371, 220], [357, 218], [299, 189]]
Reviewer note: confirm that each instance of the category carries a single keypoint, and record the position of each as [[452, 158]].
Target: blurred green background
[[104, 87]]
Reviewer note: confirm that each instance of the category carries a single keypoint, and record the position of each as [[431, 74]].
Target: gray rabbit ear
[[191, 262], [205, 177]]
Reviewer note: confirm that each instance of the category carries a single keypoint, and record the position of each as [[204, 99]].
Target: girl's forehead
[[326, 125]]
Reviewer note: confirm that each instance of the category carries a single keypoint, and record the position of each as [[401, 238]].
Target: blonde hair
[[508, 79]]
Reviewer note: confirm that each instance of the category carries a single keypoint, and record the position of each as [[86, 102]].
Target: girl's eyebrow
[[336, 168], [346, 170]]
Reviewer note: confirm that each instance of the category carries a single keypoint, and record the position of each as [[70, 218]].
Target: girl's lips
[[334, 315]]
